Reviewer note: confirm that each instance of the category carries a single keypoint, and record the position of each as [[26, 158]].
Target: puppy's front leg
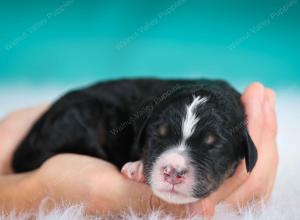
[[134, 171]]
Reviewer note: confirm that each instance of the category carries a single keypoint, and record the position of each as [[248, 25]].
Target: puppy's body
[[101, 121], [199, 122]]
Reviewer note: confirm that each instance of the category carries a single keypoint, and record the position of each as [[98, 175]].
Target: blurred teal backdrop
[[75, 42]]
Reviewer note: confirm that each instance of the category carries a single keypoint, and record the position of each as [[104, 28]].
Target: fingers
[[260, 182], [270, 122], [269, 142], [231, 184], [253, 99]]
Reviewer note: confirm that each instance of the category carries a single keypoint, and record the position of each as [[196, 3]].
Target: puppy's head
[[191, 146]]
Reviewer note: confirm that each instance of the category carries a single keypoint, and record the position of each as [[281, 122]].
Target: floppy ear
[[140, 126], [140, 138], [250, 151]]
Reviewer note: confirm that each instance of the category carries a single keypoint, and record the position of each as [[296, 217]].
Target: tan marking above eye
[[163, 130], [210, 139]]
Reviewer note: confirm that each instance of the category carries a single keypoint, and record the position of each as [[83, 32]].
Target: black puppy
[[189, 135]]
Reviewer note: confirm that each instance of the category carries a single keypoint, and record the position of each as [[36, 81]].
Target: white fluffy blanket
[[285, 202]]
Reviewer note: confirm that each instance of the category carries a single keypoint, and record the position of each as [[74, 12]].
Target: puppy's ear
[[250, 151], [140, 125], [140, 138]]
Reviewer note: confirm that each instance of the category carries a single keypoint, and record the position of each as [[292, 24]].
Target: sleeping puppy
[[182, 137]]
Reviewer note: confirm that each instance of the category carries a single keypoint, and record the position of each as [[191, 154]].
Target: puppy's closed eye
[[210, 139], [163, 130]]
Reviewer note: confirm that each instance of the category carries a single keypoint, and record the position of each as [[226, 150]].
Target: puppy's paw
[[134, 171]]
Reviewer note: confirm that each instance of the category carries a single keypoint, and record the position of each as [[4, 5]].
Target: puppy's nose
[[174, 175]]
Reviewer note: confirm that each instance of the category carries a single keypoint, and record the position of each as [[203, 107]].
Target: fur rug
[[285, 201]]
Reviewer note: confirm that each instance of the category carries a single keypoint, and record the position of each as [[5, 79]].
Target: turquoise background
[[76, 42]]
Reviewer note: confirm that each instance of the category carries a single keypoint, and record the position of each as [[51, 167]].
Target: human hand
[[118, 193], [13, 128], [68, 178], [71, 178], [245, 187]]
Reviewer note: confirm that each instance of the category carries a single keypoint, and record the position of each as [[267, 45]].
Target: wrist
[[20, 192]]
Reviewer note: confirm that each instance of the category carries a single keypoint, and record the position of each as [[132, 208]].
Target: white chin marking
[[161, 187]]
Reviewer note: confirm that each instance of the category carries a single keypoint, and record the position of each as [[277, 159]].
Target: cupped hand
[[244, 187], [70, 178], [98, 184]]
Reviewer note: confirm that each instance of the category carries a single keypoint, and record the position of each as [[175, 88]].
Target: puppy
[[182, 137]]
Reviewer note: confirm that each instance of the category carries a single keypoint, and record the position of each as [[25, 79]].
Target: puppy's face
[[188, 150]]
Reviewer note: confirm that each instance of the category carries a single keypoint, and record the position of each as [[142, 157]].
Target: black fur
[[119, 121]]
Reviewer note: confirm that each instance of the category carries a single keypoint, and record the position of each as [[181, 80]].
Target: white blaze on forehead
[[191, 119], [178, 158]]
